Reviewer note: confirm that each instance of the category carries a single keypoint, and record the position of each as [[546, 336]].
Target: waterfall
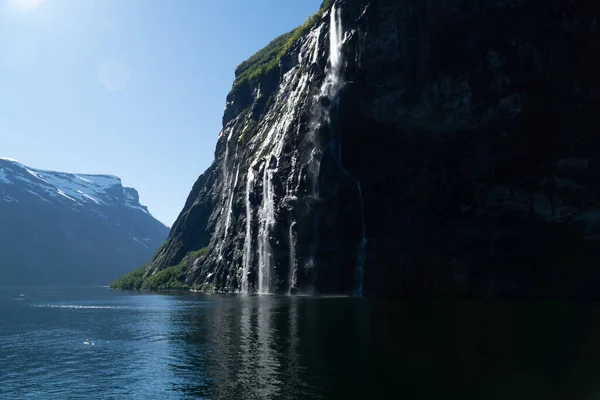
[[248, 239], [332, 83], [229, 212], [331, 88], [293, 269], [315, 55], [335, 39], [360, 260], [314, 246], [225, 180], [230, 205], [317, 186], [224, 164], [267, 215]]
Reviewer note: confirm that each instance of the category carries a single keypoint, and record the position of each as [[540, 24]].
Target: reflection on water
[[150, 346], [249, 347]]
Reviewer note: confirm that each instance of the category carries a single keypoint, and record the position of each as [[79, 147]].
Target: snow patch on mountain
[[35, 174], [89, 197], [64, 195], [82, 189], [79, 188], [83, 179], [4, 178], [138, 240], [38, 196]]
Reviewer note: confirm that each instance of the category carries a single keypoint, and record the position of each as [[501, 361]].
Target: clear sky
[[133, 88]]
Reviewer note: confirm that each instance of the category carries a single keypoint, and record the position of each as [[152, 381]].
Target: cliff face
[[411, 148], [70, 229]]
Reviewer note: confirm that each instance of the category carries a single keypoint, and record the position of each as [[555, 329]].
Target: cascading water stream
[[265, 261], [335, 40], [224, 179], [293, 269], [229, 211], [332, 88], [230, 204], [224, 164], [316, 194], [248, 239], [266, 214], [274, 136]]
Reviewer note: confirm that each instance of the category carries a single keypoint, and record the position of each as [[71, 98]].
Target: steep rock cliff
[[409, 148]]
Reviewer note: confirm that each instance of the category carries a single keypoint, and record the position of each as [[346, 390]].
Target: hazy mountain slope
[[60, 228]]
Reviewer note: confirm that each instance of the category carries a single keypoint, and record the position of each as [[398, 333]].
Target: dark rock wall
[[471, 128]]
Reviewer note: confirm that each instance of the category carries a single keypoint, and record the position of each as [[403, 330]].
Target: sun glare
[[26, 5]]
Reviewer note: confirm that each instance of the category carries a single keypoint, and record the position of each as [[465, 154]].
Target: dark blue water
[[98, 344]]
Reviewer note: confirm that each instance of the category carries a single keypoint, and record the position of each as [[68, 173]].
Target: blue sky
[[133, 88]]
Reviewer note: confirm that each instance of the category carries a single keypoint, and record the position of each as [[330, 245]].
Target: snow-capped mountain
[[61, 228], [78, 189]]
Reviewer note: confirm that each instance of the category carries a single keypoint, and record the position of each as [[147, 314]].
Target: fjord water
[[95, 343]]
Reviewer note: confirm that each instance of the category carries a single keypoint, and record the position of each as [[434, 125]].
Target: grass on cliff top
[[171, 278], [267, 59]]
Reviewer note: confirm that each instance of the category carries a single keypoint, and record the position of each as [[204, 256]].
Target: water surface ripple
[[93, 343]]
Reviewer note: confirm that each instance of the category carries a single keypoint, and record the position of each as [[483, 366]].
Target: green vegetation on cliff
[[267, 59], [130, 281], [171, 278]]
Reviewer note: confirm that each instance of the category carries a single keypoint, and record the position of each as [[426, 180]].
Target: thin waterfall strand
[[265, 263], [229, 212], [293, 269], [248, 239], [230, 205], [224, 164], [224, 179]]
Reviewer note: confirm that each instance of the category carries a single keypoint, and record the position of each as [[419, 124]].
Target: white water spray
[[267, 215], [293, 269], [248, 239], [333, 81], [335, 39]]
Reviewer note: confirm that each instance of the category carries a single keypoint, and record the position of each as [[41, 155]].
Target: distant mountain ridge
[[80, 189], [65, 228]]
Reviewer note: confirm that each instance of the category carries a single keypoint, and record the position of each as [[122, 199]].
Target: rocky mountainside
[[60, 229], [407, 148]]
